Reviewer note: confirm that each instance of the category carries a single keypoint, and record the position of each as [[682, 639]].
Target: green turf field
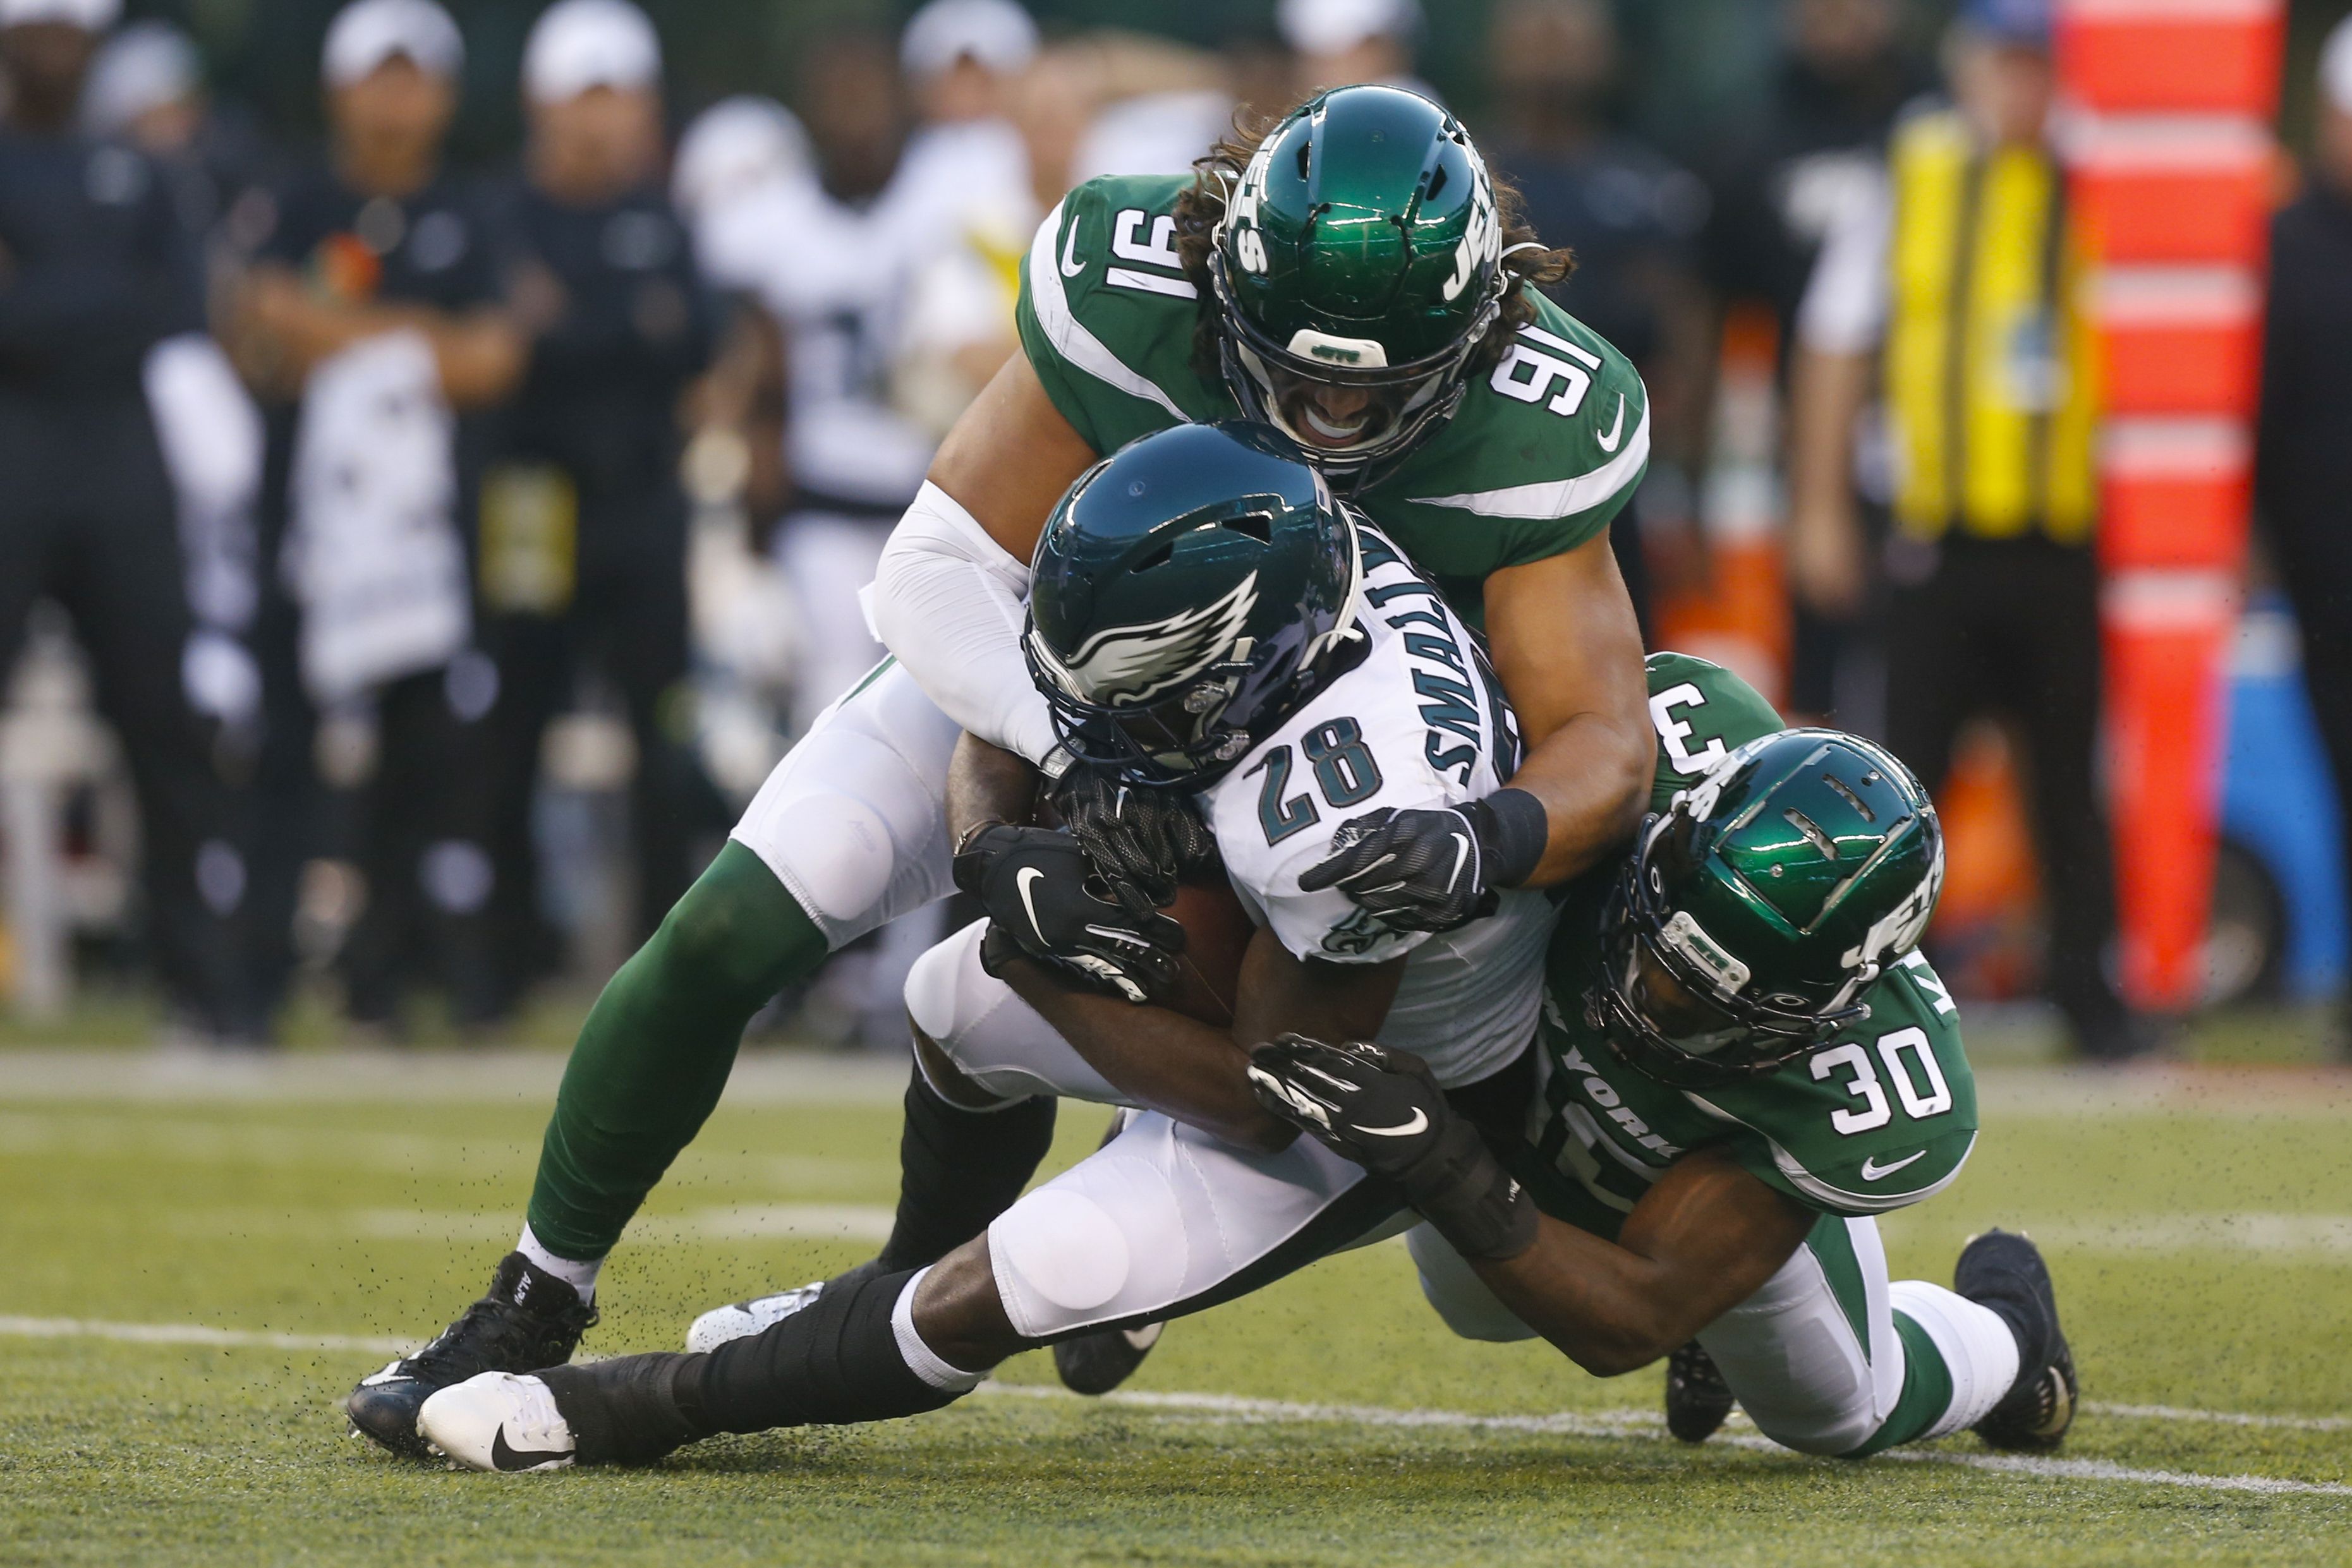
[[2199, 1222]]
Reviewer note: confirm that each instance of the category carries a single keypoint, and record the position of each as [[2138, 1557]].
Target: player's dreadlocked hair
[[1200, 209]]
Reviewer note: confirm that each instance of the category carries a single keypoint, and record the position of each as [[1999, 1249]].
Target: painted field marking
[[1601, 1424], [1641, 1426]]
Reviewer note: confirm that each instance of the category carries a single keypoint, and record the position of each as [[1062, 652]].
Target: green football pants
[[657, 1047]]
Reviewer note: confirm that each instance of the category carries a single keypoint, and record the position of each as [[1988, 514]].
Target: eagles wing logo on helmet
[[1124, 667]]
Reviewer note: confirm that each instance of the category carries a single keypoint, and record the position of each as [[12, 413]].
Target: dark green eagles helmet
[[1360, 249], [1744, 930], [1188, 593]]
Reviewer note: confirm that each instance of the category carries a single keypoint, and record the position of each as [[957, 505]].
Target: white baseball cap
[[145, 66], [89, 15], [734, 147], [1331, 27], [996, 33], [369, 32], [577, 45], [2336, 67]]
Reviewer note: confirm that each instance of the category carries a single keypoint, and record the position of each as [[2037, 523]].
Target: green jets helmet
[[1361, 248], [1188, 593], [1756, 912]]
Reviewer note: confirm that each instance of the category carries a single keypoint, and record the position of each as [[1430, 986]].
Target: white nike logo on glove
[[1401, 1130], [1872, 1170], [1021, 881]]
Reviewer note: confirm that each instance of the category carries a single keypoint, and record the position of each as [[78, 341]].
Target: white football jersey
[[839, 276], [1420, 724]]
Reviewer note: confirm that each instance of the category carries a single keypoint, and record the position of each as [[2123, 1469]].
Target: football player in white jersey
[[1206, 616]]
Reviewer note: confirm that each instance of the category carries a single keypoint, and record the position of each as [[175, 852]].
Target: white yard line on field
[[1601, 1424], [199, 1334], [1626, 1424]]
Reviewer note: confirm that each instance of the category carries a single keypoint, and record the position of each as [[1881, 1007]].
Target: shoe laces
[[496, 1331]]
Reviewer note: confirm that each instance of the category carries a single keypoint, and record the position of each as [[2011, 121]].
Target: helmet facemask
[[1276, 384]]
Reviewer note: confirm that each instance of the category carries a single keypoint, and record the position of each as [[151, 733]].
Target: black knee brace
[[959, 1169]]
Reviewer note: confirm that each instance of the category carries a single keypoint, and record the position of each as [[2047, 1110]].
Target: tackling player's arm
[[948, 590], [1704, 1238], [1565, 641], [1196, 1072]]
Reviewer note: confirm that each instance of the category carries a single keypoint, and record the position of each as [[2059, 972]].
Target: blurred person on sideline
[[582, 524], [372, 323], [838, 259], [1339, 42], [2303, 466], [1958, 288], [1632, 218], [963, 61], [96, 272], [147, 88], [1781, 180]]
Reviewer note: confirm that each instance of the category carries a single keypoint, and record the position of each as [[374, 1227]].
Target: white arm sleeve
[[947, 600], [1844, 307]]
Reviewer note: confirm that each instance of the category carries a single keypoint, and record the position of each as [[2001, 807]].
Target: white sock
[[580, 1276], [1978, 1348], [921, 1359]]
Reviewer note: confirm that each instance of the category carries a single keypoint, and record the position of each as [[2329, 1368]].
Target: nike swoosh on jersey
[[507, 1458], [1420, 1123], [1617, 431], [1071, 264], [1873, 1171]]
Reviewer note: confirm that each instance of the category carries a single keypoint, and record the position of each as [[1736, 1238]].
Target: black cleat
[[2005, 1272], [1099, 1362], [528, 1319], [1698, 1399]]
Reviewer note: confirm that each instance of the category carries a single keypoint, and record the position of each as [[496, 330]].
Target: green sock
[[656, 1049]]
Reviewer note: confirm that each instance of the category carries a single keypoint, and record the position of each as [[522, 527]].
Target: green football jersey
[[1882, 1115], [1543, 451]]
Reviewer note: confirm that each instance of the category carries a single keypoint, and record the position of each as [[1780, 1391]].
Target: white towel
[[212, 441], [372, 552]]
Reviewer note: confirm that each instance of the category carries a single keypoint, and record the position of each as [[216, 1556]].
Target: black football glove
[[1044, 897], [1151, 837], [1434, 869], [1383, 1110]]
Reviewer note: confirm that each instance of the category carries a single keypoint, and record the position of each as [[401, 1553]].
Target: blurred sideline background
[[1695, 151]]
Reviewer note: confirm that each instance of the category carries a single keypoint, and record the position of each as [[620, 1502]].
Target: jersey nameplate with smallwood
[[1418, 724], [1544, 451], [1881, 1116]]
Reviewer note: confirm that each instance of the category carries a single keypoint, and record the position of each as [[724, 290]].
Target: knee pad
[[1104, 1246], [990, 1035], [852, 819]]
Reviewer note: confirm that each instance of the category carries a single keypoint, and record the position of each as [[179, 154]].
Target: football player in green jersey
[[1357, 277], [1744, 1061]]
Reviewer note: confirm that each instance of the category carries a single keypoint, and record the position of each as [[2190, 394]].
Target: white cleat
[[741, 1320], [498, 1421]]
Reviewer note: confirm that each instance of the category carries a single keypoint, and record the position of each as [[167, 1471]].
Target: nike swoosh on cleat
[[507, 1458], [1022, 881], [1420, 1123], [1873, 1171]]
